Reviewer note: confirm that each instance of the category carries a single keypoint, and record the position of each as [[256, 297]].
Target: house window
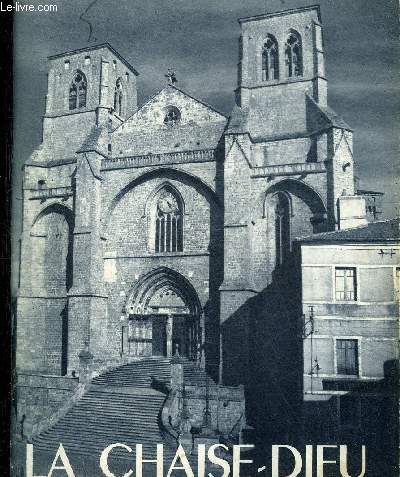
[[169, 223], [66, 65], [118, 97], [270, 62], [347, 357], [294, 55], [77, 91], [172, 116], [87, 60], [345, 284]]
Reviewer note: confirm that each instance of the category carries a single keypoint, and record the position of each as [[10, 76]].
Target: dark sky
[[198, 39]]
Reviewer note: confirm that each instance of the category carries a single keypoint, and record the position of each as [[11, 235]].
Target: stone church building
[[166, 228]]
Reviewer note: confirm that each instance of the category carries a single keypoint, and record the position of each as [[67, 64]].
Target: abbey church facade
[[149, 231]]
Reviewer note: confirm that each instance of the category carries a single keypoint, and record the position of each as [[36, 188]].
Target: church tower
[[281, 56], [92, 86], [91, 91], [288, 159]]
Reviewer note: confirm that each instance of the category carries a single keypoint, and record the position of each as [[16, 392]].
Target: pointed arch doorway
[[163, 313]]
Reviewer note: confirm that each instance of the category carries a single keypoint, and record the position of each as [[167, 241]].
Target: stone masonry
[[242, 188]]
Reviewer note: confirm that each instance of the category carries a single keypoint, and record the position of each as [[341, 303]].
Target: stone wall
[[226, 407], [41, 396]]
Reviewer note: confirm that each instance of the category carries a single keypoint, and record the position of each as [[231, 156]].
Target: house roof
[[380, 231], [369, 192]]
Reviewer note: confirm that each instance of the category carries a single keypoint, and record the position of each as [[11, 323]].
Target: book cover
[[205, 243]]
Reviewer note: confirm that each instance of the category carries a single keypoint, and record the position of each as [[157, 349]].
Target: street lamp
[[122, 320]]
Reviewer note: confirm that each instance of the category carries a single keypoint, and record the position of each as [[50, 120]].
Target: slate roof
[[207, 105], [329, 115], [381, 231], [95, 141], [238, 121], [96, 47]]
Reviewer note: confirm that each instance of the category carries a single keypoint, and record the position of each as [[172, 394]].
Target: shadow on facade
[[216, 250], [367, 414], [262, 351]]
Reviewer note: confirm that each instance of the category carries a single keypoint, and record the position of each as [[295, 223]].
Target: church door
[[159, 338]]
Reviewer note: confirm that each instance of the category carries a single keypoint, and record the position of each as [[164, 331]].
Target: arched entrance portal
[[163, 313]]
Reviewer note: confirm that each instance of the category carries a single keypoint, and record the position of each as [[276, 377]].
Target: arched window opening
[[270, 60], [169, 223], [294, 55], [282, 228], [172, 116], [118, 97], [77, 92]]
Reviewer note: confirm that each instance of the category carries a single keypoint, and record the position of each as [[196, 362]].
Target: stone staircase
[[141, 374], [120, 407]]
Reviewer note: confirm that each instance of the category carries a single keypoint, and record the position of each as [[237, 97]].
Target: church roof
[[380, 231], [96, 47], [169, 88], [199, 126], [289, 11], [329, 115], [97, 140], [200, 101], [237, 123]]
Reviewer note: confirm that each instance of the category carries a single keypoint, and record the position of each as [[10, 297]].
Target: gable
[[152, 114], [146, 132]]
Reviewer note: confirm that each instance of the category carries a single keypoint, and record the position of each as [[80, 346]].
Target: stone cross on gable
[[171, 77]]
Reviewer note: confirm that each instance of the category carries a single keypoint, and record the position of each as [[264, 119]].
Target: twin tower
[[153, 228], [281, 57]]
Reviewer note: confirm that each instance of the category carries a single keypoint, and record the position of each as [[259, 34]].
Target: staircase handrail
[[166, 414]]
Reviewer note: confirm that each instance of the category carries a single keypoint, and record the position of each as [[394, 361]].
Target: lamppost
[[308, 332], [122, 320]]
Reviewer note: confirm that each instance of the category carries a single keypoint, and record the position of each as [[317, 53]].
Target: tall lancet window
[[270, 60], [294, 55], [169, 222], [118, 97], [282, 228], [77, 92]]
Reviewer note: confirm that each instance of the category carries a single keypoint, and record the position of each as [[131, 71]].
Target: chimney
[[351, 211]]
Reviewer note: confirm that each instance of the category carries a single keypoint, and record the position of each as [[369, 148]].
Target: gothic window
[[118, 97], [172, 116], [169, 223], [294, 55], [270, 62], [282, 228], [77, 92]]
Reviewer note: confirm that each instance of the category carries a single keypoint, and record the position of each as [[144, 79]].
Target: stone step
[[130, 423], [149, 450], [93, 401], [120, 406], [95, 435]]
